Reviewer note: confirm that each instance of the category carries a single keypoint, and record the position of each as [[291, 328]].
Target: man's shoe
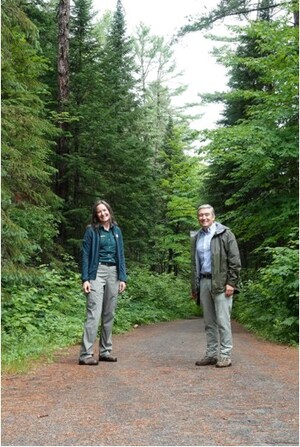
[[90, 361], [107, 358], [206, 361], [223, 362]]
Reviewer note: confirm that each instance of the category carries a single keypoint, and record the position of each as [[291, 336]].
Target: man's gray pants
[[101, 304], [216, 314]]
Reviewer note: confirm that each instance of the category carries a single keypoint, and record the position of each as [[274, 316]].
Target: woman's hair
[[95, 220]]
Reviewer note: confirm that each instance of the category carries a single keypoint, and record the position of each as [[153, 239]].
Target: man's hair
[[206, 206]]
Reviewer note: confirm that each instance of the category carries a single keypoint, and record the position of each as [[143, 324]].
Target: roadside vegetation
[[269, 302], [51, 311]]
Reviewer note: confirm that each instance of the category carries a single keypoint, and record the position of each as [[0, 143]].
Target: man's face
[[206, 218]]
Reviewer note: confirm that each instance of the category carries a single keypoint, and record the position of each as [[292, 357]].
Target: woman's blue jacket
[[90, 253]]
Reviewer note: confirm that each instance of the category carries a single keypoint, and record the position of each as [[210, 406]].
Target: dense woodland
[[87, 114]]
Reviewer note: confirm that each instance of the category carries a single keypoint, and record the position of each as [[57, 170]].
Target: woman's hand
[[229, 290], [122, 286], [86, 286]]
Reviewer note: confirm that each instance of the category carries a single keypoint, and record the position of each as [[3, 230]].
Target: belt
[[108, 264], [205, 275]]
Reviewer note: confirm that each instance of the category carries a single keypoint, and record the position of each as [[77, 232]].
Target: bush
[[269, 304], [152, 297], [40, 317]]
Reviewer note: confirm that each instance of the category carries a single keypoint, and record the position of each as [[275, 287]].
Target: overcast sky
[[192, 54]]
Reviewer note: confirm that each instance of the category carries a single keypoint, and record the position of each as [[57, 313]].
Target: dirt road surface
[[155, 395]]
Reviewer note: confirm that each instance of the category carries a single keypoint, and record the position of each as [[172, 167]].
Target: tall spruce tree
[[29, 223], [120, 155], [84, 60]]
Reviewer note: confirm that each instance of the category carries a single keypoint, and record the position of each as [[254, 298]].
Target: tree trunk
[[63, 95], [63, 52]]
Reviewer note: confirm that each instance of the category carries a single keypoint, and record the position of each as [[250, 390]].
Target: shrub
[[152, 297], [40, 317], [269, 304]]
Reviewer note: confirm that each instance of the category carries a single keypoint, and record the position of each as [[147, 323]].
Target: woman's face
[[103, 214]]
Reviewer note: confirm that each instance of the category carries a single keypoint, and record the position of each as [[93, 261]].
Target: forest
[[87, 114]]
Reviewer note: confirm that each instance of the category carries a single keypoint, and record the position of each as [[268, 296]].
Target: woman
[[103, 277]]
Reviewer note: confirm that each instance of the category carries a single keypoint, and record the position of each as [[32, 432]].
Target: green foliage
[[117, 127], [38, 318], [28, 204], [122, 156], [48, 313], [252, 178], [151, 298], [177, 197], [80, 170], [237, 8], [108, 157], [269, 303]]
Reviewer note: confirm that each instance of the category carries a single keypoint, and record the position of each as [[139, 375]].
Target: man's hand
[[122, 286], [194, 295], [229, 290]]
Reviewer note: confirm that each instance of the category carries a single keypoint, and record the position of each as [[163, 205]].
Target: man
[[215, 272]]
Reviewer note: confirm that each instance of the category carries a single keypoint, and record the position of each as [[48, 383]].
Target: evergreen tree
[[28, 204], [178, 183], [253, 175], [243, 9], [174, 173], [121, 157], [84, 60], [157, 68], [43, 13], [63, 75]]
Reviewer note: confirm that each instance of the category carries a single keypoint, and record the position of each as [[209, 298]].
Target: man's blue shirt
[[203, 248]]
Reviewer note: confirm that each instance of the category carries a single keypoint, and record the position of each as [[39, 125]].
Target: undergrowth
[[269, 302], [46, 312], [44, 315]]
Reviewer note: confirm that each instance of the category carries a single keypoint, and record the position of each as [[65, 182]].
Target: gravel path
[[155, 395]]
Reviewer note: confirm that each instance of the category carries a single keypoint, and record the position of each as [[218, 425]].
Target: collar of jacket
[[220, 228]]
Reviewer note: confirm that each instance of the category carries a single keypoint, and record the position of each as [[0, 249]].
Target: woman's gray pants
[[101, 304]]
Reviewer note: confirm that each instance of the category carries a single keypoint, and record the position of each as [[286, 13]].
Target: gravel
[[155, 395]]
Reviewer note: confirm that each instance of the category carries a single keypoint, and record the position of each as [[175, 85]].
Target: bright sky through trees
[[192, 53]]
